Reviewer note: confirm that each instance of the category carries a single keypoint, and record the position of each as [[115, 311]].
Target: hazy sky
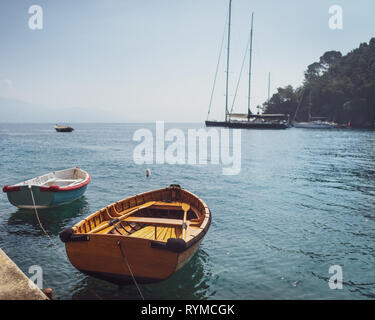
[[151, 60]]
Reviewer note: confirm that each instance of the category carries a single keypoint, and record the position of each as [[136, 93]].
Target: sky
[[147, 60]]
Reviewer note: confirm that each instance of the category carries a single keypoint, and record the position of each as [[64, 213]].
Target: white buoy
[[148, 172]]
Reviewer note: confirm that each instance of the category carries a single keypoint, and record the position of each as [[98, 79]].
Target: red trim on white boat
[[11, 189]]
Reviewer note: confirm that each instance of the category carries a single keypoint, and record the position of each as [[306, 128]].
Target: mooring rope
[[40, 223], [130, 270], [45, 232]]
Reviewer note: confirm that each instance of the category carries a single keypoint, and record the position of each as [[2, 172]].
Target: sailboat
[[312, 122], [248, 120]]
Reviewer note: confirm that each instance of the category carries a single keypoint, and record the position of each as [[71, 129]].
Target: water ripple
[[304, 201]]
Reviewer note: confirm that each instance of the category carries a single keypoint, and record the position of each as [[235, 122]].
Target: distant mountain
[[19, 111]]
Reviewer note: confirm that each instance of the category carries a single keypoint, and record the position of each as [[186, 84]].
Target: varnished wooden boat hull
[[115, 257], [148, 264]]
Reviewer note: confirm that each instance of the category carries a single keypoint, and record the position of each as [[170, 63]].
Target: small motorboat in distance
[[148, 236], [63, 128], [50, 190], [315, 125]]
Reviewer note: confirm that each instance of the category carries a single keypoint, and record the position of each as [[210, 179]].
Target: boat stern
[[22, 197]]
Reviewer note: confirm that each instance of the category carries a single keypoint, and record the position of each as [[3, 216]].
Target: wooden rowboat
[[50, 190], [148, 236]]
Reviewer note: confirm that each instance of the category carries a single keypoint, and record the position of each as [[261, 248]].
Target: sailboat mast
[[228, 48], [251, 53], [269, 84]]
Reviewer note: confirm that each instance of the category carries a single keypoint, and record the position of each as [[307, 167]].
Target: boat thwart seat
[[156, 221]]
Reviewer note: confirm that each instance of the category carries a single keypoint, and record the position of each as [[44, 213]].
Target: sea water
[[303, 201]]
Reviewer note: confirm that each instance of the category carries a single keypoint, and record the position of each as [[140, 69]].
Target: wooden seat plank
[[156, 205], [158, 221]]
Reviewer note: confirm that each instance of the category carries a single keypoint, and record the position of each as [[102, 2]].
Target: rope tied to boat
[[45, 232], [40, 223], [130, 270]]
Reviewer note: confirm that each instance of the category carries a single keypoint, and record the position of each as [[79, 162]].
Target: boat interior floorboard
[[162, 233]]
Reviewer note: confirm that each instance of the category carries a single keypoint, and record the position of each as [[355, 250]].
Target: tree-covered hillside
[[341, 88]]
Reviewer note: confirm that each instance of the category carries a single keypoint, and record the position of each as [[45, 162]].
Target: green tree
[[340, 88]]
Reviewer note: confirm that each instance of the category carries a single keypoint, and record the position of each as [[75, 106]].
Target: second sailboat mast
[[226, 94], [251, 51]]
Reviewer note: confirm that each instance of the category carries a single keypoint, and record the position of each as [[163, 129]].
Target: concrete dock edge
[[14, 284]]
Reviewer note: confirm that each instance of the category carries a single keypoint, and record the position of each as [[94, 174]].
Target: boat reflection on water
[[53, 219]]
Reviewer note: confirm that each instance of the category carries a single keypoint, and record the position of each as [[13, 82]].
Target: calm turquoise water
[[304, 200]]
